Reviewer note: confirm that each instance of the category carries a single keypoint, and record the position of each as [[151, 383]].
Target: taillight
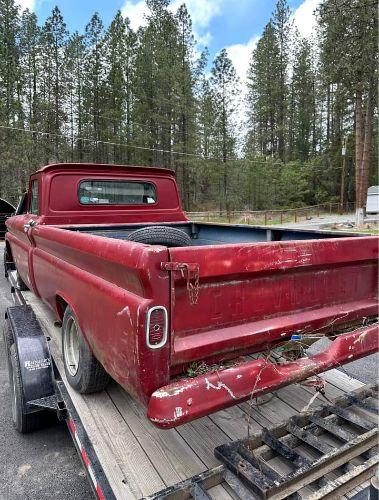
[[156, 327]]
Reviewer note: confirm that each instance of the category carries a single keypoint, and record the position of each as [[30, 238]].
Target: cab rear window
[[103, 192]]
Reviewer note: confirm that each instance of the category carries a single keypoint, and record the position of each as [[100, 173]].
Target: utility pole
[[343, 172]]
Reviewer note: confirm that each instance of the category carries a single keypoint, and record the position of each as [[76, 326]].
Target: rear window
[[116, 193]]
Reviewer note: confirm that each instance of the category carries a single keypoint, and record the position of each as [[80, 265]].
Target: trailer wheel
[[24, 422], [83, 371], [8, 341], [161, 235]]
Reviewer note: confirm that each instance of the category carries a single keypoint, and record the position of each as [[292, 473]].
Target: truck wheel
[[161, 235], [24, 422], [84, 373]]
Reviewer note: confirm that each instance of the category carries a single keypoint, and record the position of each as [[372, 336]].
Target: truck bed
[[140, 459], [204, 233]]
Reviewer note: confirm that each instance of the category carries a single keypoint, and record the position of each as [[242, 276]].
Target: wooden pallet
[[332, 449], [140, 459]]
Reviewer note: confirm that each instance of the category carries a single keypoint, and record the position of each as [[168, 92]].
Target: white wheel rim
[[71, 347]]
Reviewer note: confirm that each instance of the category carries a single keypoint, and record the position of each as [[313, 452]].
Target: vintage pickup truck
[[188, 317]]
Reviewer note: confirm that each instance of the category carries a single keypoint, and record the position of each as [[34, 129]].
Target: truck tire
[[84, 373], [23, 422], [161, 235]]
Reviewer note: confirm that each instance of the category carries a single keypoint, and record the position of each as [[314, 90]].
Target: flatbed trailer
[[126, 456]]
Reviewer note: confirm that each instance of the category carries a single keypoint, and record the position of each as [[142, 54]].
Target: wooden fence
[[281, 216]]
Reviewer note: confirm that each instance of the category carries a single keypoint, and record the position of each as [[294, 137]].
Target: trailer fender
[[33, 354]]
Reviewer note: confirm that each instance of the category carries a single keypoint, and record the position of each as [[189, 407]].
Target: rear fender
[[65, 298]]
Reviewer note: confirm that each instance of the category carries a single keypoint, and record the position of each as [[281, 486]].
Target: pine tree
[[186, 102], [225, 87], [55, 42], [302, 82], [262, 93], [75, 55], [350, 57], [156, 81], [282, 28], [115, 85], [11, 115], [94, 86], [9, 62]]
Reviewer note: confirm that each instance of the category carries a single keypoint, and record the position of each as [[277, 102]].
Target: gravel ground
[[365, 369], [319, 222], [41, 465]]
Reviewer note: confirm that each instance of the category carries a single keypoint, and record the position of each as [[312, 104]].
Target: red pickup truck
[[173, 310]]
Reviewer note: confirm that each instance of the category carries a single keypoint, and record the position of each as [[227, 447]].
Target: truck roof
[[105, 166]]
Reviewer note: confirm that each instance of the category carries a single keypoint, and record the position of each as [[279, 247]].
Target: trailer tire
[[83, 371], [8, 341], [161, 235], [23, 422]]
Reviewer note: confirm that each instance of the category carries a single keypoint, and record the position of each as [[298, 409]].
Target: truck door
[[22, 243]]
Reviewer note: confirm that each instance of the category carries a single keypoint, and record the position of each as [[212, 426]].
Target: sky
[[232, 24]]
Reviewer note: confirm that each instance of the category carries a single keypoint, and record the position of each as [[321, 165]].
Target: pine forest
[[303, 121]]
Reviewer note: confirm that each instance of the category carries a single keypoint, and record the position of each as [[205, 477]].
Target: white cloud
[[26, 4], [304, 17], [203, 40], [136, 13], [201, 12], [240, 55]]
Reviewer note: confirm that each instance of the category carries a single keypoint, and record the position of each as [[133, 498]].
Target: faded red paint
[[251, 296]]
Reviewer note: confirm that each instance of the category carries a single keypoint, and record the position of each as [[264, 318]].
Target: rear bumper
[[191, 398]]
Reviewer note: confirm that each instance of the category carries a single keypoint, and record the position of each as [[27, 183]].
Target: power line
[[169, 128], [156, 150]]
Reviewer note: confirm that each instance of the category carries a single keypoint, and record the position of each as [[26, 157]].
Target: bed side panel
[[110, 285]]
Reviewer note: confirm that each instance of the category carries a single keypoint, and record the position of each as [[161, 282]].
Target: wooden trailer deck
[[140, 459]]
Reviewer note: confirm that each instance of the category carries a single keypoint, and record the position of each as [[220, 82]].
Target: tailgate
[[242, 296]]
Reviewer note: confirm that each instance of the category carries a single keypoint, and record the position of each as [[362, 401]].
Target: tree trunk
[[365, 166], [358, 157]]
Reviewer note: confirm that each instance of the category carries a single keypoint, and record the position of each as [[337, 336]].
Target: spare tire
[[161, 235]]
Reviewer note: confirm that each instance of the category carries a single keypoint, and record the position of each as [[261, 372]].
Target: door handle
[[29, 225]]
